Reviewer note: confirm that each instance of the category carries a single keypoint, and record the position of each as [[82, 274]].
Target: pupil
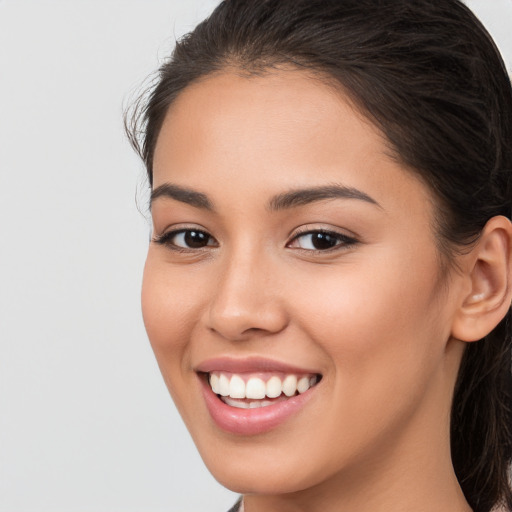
[[196, 239], [323, 241]]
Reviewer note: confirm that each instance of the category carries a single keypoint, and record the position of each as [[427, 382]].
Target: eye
[[320, 240], [186, 239]]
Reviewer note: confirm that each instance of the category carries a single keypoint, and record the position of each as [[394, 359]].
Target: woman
[[328, 284]]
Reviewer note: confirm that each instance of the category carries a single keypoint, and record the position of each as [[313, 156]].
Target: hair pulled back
[[428, 74]]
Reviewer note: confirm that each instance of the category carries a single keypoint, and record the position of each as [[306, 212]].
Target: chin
[[271, 477]]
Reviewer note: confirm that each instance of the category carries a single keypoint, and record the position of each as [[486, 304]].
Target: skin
[[374, 317]]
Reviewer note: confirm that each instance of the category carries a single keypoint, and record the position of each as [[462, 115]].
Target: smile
[[250, 391], [253, 396]]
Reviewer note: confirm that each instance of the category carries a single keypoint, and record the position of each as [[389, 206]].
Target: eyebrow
[[301, 197], [291, 199], [182, 194]]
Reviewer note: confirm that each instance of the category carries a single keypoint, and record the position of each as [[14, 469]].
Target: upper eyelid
[[166, 240], [177, 228], [169, 233], [309, 229], [342, 241]]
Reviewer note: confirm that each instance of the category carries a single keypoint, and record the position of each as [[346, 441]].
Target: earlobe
[[489, 274]]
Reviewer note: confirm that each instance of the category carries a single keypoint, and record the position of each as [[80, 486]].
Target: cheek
[[382, 327], [170, 305]]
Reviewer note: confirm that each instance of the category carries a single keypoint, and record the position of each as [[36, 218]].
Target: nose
[[247, 301]]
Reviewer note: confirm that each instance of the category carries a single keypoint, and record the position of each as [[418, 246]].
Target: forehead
[[234, 106], [268, 132]]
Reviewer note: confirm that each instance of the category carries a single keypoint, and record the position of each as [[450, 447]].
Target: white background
[[85, 420]]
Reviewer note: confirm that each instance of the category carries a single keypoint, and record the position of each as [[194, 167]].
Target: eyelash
[[166, 239], [342, 241]]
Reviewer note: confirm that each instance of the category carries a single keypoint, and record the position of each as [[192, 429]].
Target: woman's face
[[289, 248]]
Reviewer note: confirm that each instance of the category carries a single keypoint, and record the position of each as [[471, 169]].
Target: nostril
[[246, 325]]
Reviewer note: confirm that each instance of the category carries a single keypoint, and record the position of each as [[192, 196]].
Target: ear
[[488, 291]]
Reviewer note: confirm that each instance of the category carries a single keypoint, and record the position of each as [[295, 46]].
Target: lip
[[251, 421], [252, 364]]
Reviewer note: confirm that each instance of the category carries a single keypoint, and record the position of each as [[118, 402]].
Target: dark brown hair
[[429, 75]]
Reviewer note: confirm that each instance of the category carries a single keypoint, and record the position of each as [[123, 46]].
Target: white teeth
[[214, 383], [236, 387], [247, 405], [303, 384], [223, 385], [255, 388], [290, 385], [274, 387], [260, 403], [236, 403]]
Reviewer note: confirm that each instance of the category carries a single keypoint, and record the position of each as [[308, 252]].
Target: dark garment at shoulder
[[236, 506]]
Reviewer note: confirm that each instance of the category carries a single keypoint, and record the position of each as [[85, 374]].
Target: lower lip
[[252, 421]]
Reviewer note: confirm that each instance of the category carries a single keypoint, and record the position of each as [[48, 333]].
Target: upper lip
[[251, 364]]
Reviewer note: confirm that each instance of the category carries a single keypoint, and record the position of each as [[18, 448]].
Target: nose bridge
[[246, 299]]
